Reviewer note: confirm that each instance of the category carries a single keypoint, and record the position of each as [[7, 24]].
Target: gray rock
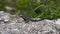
[[58, 21], [13, 24]]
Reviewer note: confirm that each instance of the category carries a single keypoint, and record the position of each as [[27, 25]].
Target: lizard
[[27, 19]]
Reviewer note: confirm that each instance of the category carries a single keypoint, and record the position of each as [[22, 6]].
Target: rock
[[13, 24], [58, 21], [8, 8], [6, 17]]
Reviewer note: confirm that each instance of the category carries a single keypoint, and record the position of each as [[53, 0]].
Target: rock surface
[[13, 24]]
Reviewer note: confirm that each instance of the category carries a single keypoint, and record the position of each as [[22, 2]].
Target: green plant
[[46, 9]]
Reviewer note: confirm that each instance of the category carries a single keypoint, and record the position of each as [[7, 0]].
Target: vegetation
[[45, 9]]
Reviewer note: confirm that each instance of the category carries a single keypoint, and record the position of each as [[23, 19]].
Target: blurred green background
[[45, 9]]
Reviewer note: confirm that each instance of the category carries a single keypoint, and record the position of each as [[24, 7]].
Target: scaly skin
[[27, 19]]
